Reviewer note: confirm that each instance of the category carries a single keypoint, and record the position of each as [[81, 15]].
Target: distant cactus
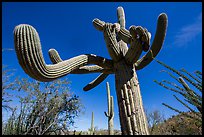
[[110, 113], [91, 130], [125, 61]]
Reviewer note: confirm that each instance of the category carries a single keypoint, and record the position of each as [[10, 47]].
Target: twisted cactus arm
[[157, 43], [110, 38], [125, 35], [135, 49], [137, 44], [30, 57], [55, 58], [111, 42], [117, 48]]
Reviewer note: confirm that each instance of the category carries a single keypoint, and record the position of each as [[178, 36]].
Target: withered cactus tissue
[[124, 64]]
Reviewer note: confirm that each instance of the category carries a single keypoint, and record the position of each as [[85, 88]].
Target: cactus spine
[[110, 113], [124, 63]]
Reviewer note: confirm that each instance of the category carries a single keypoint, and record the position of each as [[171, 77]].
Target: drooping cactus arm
[[125, 35], [135, 49], [157, 43], [99, 25], [109, 31], [121, 31], [30, 57], [111, 42], [92, 69], [121, 47], [95, 82], [55, 58]]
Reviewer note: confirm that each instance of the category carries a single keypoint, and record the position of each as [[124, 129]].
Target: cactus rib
[[125, 35]]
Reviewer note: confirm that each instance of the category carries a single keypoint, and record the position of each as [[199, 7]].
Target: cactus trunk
[[132, 117], [110, 126]]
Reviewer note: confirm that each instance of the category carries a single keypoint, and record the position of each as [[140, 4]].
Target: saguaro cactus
[[110, 113], [124, 64], [92, 124]]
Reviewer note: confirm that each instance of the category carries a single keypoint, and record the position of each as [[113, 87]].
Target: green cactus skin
[[55, 58], [110, 113], [157, 43], [124, 64], [30, 57]]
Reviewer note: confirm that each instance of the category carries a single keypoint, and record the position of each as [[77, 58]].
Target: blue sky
[[68, 28]]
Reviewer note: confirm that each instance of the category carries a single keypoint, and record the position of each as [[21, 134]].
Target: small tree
[[45, 108], [192, 97], [154, 118]]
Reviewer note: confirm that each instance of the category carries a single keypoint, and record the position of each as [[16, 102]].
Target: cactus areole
[[125, 61]]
